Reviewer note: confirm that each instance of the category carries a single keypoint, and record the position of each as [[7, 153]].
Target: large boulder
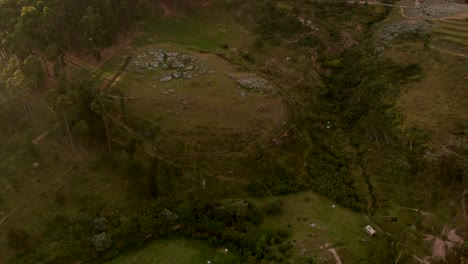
[[168, 215]]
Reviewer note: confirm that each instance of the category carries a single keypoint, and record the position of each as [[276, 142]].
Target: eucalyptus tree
[[103, 105], [33, 70], [16, 84]]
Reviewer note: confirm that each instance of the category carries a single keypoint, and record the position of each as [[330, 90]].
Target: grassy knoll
[[208, 120], [438, 103], [208, 103]]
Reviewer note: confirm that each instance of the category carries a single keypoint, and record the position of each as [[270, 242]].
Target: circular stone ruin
[[200, 97]]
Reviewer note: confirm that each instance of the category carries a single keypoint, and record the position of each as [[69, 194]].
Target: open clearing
[[438, 103], [318, 225], [176, 250], [318, 229]]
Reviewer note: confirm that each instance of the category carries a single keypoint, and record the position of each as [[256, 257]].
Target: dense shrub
[[274, 207]]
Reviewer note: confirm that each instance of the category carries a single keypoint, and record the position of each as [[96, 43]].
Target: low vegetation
[[196, 131]]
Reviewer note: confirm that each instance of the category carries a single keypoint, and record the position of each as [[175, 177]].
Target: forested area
[[37, 37], [47, 29]]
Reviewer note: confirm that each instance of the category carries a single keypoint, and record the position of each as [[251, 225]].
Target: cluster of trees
[[36, 35], [231, 224], [46, 28], [17, 79]]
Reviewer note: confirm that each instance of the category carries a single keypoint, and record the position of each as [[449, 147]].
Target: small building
[[370, 230]]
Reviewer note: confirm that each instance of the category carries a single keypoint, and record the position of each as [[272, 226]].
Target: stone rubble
[[308, 23], [170, 65], [436, 9], [166, 66], [256, 84], [393, 31]]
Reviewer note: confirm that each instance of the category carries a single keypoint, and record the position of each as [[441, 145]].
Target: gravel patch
[[396, 30], [436, 9], [256, 84]]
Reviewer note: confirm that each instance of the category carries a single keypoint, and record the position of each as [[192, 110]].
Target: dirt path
[[114, 77], [335, 255], [446, 50]]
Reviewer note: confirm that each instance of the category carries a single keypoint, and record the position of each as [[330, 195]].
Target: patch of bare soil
[[442, 246]]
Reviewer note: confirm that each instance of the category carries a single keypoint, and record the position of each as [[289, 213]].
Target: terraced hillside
[[452, 33]]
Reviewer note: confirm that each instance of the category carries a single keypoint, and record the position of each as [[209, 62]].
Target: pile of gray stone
[[436, 8], [256, 84], [393, 31], [308, 23], [169, 65]]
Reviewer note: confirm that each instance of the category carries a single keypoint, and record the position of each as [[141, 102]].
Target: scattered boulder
[[168, 215], [436, 9], [256, 84], [187, 66], [177, 75], [165, 78]]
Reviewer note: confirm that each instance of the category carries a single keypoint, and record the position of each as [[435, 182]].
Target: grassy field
[[438, 103], [205, 29], [317, 225], [177, 250]]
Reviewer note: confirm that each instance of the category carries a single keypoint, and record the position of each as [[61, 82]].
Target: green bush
[[274, 207]]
